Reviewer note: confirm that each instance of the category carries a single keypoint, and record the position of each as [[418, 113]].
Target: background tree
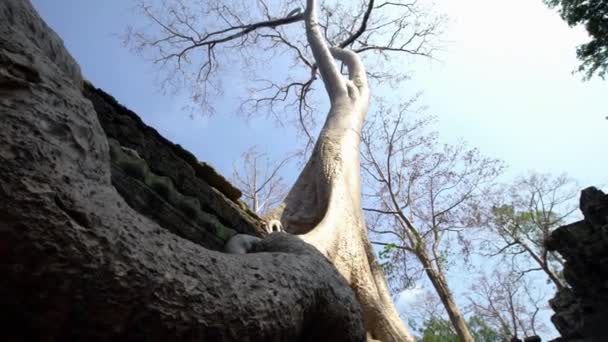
[[524, 217], [259, 179], [594, 16], [429, 322], [508, 303], [441, 330], [324, 205], [421, 196]]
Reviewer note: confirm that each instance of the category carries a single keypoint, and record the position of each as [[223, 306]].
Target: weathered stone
[[150, 204], [22, 27], [167, 159], [78, 264], [155, 197], [581, 311], [216, 180], [594, 205]]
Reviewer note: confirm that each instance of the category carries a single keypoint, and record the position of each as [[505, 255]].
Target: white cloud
[[408, 297]]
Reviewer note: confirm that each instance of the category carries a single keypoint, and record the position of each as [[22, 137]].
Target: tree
[[482, 332], [194, 44], [259, 180], [429, 322], [594, 15], [422, 197], [507, 302], [522, 220], [436, 329], [324, 205]]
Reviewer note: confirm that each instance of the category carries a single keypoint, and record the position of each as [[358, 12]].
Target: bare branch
[[192, 46], [526, 214], [259, 180], [393, 245]]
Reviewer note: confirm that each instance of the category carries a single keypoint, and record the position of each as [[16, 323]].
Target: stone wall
[[78, 263], [166, 183], [581, 310]]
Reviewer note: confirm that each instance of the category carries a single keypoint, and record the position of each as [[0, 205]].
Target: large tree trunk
[[441, 287], [78, 264], [324, 206]]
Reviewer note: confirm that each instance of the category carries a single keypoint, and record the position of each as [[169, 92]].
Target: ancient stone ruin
[[110, 232], [581, 310]]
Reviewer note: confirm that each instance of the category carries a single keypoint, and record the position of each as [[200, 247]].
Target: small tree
[[523, 218], [507, 302], [259, 180], [441, 330], [594, 15], [428, 320], [422, 195]]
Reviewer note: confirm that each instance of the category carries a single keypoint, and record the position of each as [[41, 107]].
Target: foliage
[[440, 330], [482, 332], [522, 219], [594, 15], [508, 302], [420, 195], [522, 224]]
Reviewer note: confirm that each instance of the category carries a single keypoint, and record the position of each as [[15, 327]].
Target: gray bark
[[77, 263]]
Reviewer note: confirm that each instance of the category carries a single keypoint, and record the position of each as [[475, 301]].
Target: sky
[[502, 81], [505, 84]]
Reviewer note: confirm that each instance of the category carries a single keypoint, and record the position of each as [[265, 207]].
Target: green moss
[[225, 233], [134, 168], [131, 164], [189, 206], [163, 186]]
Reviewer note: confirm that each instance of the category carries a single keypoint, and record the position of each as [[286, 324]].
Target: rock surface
[[190, 177], [581, 311], [79, 264]]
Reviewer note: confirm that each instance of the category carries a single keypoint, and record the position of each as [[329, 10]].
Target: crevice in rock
[[78, 216]]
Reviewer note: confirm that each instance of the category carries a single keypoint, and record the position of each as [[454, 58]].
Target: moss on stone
[[131, 164], [189, 206], [225, 233], [163, 186], [134, 166], [135, 169]]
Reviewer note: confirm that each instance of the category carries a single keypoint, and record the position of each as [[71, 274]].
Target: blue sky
[[90, 32], [503, 82], [505, 85]]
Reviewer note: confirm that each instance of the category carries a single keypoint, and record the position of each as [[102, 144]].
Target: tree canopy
[[437, 329], [593, 14]]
